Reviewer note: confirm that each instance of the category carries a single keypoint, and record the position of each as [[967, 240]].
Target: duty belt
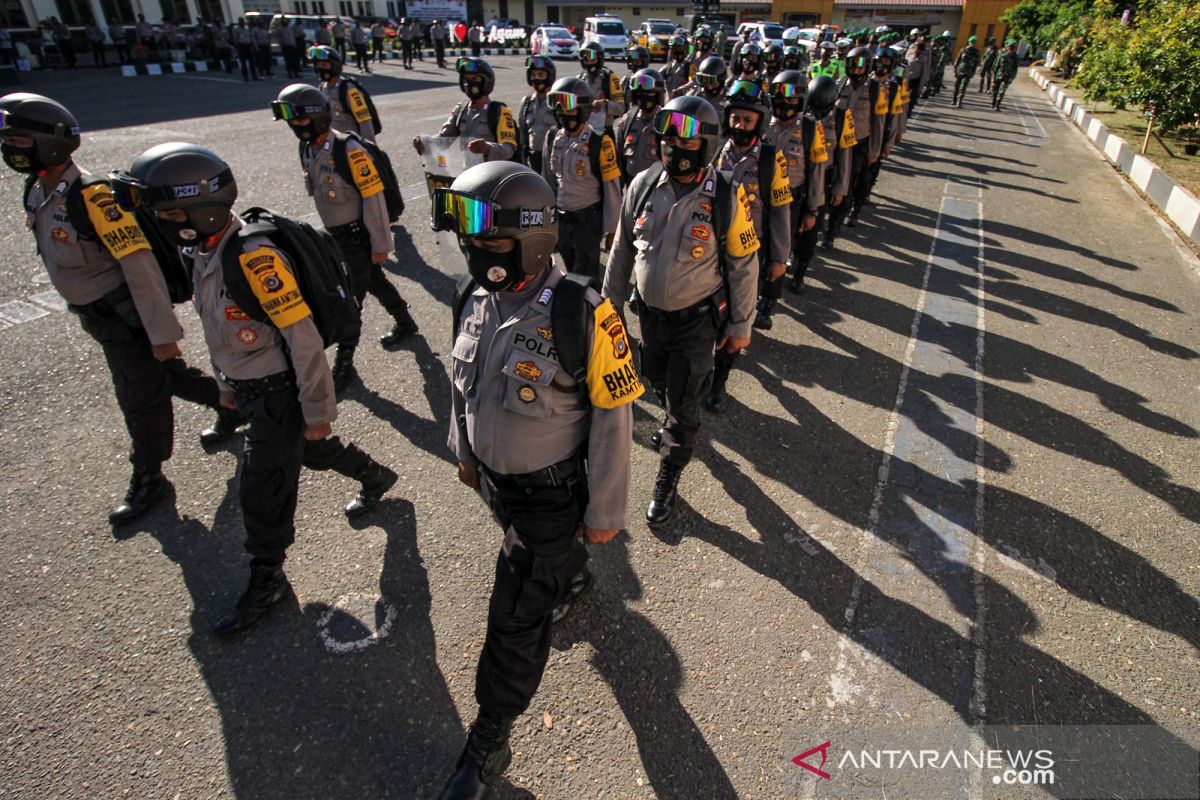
[[582, 214], [350, 230], [250, 388], [106, 306], [554, 475], [688, 314]]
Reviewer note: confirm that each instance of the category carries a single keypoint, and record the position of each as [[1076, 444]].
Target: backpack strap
[[568, 320], [76, 211], [652, 173], [723, 211], [766, 180], [463, 289], [495, 107], [338, 150]]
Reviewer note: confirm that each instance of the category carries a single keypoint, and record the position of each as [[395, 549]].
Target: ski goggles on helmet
[[645, 82], [15, 125], [676, 123], [539, 62], [589, 56], [564, 101], [469, 215], [286, 111], [132, 194], [750, 50], [468, 65], [322, 52], [751, 90], [786, 91], [857, 62]]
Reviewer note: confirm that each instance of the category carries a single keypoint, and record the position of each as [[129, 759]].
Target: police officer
[[535, 116], [825, 64], [489, 122], [854, 98], [702, 48], [637, 146], [670, 242], [747, 64], [354, 212], [749, 161], [349, 101], [772, 62], [603, 83], [709, 83], [841, 138], [793, 58], [887, 111], [580, 164], [115, 286], [965, 64], [825, 150], [677, 72], [548, 452], [1004, 72], [274, 372], [637, 58]]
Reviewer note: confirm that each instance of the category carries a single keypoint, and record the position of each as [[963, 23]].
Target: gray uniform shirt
[[670, 250], [339, 202], [839, 157], [83, 270], [807, 180], [285, 35], [601, 85], [473, 123], [322, 35], [343, 118], [568, 170], [536, 119], [637, 146], [857, 99], [516, 412], [243, 349], [744, 167], [676, 74], [885, 128], [242, 35], [259, 37]]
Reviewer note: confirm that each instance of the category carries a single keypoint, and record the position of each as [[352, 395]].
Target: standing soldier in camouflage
[[100, 261], [488, 123], [1004, 73], [686, 240], [535, 116], [544, 438], [990, 54], [710, 81], [274, 371], [349, 101], [677, 72], [580, 164], [347, 190], [761, 172], [943, 45], [604, 84], [637, 146], [965, 64]]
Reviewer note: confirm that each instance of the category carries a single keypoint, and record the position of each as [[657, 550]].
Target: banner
[[429, 10]]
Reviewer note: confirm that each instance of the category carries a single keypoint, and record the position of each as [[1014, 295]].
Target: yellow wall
[[822, 7]]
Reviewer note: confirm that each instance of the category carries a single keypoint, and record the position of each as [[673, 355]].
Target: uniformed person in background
[[1004, 72], [990, 53], [702, 48], [637, 58], [348, 99], [841, 138], [548, 451], [604, 84], [794, 58], [825, 63], [854, 96], [108, 275], [826, 149], [353, 211], [772, 63], [943, 45], [749, 160], [709, 82], [580, 164], [697, 285], [488, 123], [965, 64], [747, 66], [535, 116], [887, 109], [676, 73], [274, 372], [637, 146]]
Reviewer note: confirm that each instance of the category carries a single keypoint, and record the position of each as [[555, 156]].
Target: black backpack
[[320, 270], [569, 319], [383, 164], [175, 270], [344, 98]]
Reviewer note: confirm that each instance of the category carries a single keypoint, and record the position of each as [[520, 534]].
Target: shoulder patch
[[506, 129], [609, 171], [118, 230], [615, 92], [781, 189], [849, 137], [358, 105], [274, 286], [611, 378], [741, 240], [366, 177], [818, 151]]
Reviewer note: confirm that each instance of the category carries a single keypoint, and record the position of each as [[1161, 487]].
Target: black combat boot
[[268, 585], [714, 401], [405, 327], [827, 241], [852, 220], [796, 285], [146, 488], [580, 584], [763, 321], [662, 499], [483, 760], [228, 421], [376, 480], [343, 367]]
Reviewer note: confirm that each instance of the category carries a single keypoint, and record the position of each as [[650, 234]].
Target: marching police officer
[[353, 211], [274, 372], [684, 236], [99, 260], [709, 83], [581, 167], [544, 438], [603, 83], [637, 147], [535, 116], [489, 121], [349, 102]]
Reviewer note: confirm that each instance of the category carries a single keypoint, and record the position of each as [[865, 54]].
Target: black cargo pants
[[540, 555], [368, 277], [579, 236]]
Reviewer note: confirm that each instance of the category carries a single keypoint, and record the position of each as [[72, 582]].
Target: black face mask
[[471, 90], [742, 138], [181, 234], [680, 163], [569, 123], [305, 133], [495, 272], [591, 68], [786, 111], [540, 86], [645, 102], [705, 46], [22, 159], [326, 74], [857, 77]]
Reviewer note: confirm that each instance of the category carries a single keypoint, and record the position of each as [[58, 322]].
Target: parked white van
[[609, 32]]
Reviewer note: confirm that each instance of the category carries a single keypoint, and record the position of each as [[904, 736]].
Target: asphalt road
[[957, 483]]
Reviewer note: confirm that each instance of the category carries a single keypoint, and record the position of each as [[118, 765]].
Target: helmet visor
[[470, 215], [128, 191], [564, 101], [13, 124], [856, 62], [323, 53], [645, 82], [467, 65], [786, 90], [132, 194], [676, 123], [539, 62], [589, 56], [750, 50], [752, 90], [289, 111]]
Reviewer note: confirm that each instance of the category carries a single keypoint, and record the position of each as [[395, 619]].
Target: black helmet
[[703, 34], [822, 95], [885, 58], [858, 59], [793, 57], [678, 45], [570, 99], [788, 90], [591, 56], [648, 84], [473, 65], [181, 176], [772, 56], [545, 63], [749, 96], [752, 51], [701, 111], [300, 101], [324, 53], [54, 131], [637, 57], [711, 74], [500, 200]]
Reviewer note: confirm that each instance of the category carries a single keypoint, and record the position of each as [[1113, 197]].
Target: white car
[[767, 33], [609, 32], [553, 41]]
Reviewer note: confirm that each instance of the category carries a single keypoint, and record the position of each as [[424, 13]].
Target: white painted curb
[[1180, 205]]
